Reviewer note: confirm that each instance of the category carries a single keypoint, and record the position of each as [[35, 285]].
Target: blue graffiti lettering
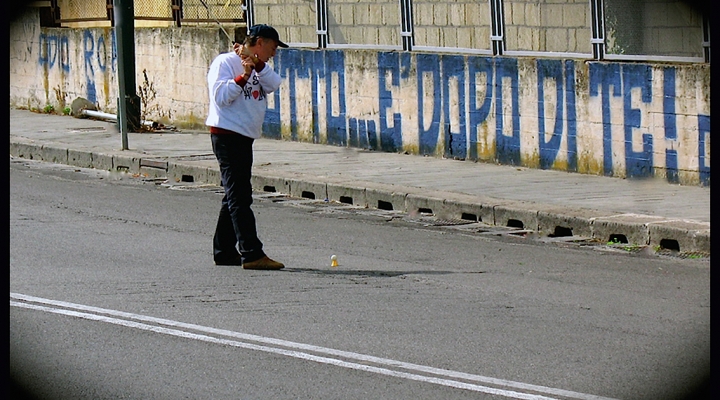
[[428, 64], [372, 139], [564, 112], [272, 124], [455, 142], [606, 76], [704, 148], [550, 70], [102, 55], [478, 115], [457, 94], [507, 147], [390, 136], [53, 50], [88, 51], [640, 163], [671, 155], [288, 65], [336, 124], [570, 116], [318, 63], [43, 58], [114, 53], [354, 128], [362, 133], [64, 53]]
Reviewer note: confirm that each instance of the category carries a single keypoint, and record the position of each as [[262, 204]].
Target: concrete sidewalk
[[644, 212]]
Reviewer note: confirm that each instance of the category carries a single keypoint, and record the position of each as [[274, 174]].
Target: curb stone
[[681, 235]]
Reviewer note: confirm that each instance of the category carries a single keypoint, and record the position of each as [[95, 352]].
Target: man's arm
[[269, 79], [226, 86]]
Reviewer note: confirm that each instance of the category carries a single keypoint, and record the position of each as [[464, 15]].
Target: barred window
[[653, 27]]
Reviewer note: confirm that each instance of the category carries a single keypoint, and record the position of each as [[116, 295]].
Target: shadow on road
[[371, 273]]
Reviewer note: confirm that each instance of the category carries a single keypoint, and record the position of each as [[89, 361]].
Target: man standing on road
[[239, 82]]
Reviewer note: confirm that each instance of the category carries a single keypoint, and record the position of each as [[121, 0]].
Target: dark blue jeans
[[236, 222]]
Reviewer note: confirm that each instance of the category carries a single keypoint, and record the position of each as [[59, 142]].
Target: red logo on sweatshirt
[[256, 94]]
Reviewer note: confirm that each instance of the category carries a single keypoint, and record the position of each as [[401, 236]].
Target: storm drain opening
[[561, 231], [384, 205], [470, 217], [308, 195], [670, 244], [617, 238], [187, 178], [269, 189], [515, 223], [425, 211], [346, 199]]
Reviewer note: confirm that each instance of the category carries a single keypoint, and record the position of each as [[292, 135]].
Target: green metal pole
[[128, 100]]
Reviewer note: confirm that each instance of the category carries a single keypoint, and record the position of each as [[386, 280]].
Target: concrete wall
[[605, 118], [553, 25], [459, 24], [363, 22], [296, 27], [634, 27], [57, 65], [625, 120]]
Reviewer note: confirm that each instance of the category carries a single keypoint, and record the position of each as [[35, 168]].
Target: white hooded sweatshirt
[[238, 108]]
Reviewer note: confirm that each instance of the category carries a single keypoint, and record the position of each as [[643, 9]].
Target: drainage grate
[[88, 129], [429, 221], [670, 244], [194, 187], [515, 223], [468, 224], [384, 205], [270, 195], [688, 255], [561, 231], [197, 157]]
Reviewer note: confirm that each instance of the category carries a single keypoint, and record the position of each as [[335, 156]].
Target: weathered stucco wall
[[605, 118], [57, 65]]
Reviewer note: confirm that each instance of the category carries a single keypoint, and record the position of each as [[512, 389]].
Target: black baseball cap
[[266, 31]]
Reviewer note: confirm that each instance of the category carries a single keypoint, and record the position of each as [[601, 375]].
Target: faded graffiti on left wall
[[98, 55]]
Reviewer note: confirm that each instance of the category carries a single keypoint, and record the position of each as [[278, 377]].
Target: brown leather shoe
[[264, 263]]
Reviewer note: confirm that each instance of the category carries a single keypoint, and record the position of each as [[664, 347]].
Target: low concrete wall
[[57, 65], [604, 118]]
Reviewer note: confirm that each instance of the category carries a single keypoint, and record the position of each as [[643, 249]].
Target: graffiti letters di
[[499, 109]]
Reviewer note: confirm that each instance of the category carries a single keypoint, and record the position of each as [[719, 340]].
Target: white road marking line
[[302, 346], [290, 353]]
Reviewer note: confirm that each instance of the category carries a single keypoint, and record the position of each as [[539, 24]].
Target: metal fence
[[633, 30], [174, 12]]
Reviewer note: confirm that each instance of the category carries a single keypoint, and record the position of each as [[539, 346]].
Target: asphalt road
[[114, 295]]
